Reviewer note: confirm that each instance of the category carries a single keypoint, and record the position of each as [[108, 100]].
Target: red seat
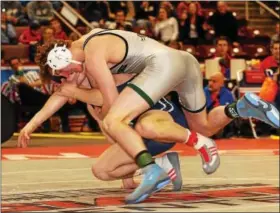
[[20, 51], [19, 30], [190, 49], [205, 51], [255, 51]]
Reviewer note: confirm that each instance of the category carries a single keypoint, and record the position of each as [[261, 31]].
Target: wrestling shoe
[[170, 163], [155, 178], [207, 149], [251, 105], [175, 173]]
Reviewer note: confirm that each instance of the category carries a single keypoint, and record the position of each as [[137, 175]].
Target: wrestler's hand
[[24, 136], [129, 183], [67, 89]]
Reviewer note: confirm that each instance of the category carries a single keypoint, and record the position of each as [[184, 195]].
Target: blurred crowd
[[185, 25]]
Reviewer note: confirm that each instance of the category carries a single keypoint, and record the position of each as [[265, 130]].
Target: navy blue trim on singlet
[[109, 33]]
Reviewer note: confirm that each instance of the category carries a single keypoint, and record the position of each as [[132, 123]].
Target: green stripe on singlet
[[141, 93]]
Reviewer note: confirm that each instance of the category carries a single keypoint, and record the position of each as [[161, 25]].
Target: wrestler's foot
[[250, 105], [175, 173], [207, 149], [171, 164], [129, 183], [154, 180]]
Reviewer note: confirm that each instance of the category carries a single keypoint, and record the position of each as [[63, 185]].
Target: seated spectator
[[224, 22], [95, 11], [182, 19], [276, 36], [58, 31], [218, 95], [272, 61], [41, 11], [8, 32], [120, 22], [222, 52], [32, 35], [168, 5], [166, 27], [145, 13], [182, 8], [194, 31], [15, 10], [48, 35], [30, 78]]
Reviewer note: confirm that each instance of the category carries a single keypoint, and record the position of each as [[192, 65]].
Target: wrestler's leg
[[160, 126], [209, 124], [114, 163]]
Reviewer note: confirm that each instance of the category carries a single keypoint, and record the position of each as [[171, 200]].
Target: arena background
[[53, 173]]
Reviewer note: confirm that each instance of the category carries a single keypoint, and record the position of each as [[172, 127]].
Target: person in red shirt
[[32, 35], [273, 60], [58, 31]]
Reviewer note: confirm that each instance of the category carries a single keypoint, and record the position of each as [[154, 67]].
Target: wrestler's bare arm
[[96, 64]]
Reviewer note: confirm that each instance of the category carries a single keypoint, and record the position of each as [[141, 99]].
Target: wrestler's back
[[139, 49]]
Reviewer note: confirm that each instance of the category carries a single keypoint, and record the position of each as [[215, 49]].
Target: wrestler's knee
[[110, 122], [99, 173]]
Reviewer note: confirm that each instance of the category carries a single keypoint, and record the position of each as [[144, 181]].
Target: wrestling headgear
[[59, 58]]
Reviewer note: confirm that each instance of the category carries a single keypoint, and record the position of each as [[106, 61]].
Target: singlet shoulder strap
[[92, 35]]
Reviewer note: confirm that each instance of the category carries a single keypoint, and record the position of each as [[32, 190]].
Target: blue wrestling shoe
[[154, 180], [250, 105]]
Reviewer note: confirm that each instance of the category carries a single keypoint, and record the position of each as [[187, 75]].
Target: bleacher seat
[[190, 49], [205, 51], [19, 30], [20, 51], [256, 50]]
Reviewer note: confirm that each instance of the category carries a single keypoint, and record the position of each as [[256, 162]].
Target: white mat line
[[206, 179], [89, 169]]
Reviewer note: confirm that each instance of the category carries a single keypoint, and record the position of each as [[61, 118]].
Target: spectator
[[216, 93], [48, 35], [182, 19], [30, 78], [8, 32], [276, 36], [126, 6], [58, 31], [169, 7], [182, 8], [222, 52], [223, 22], [15, 10], [146, 12], [194, 25], [95, 11], [120, 22], [272, 61], [42, 11], [32, 35], [166, 27]]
